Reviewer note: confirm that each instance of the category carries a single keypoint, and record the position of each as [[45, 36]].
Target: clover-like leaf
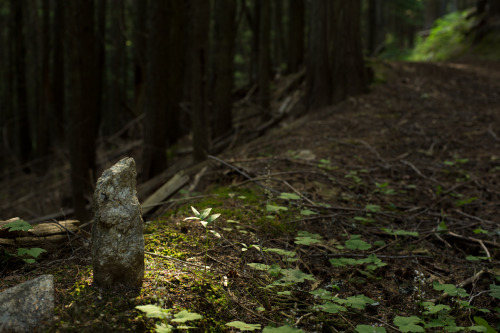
[[185, 315], [243, 326], [296, 275], [369, 329], [409, 324]]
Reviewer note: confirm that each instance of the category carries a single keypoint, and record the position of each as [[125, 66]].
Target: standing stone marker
[[117, 231]]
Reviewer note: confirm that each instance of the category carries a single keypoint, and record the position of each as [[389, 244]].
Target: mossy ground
[[417, 155]]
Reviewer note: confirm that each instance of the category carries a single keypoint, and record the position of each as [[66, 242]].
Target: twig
[[417, 171], [243, 173], [298, 193]]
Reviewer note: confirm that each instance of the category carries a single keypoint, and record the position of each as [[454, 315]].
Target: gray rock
[[117, 231], [28, 307]]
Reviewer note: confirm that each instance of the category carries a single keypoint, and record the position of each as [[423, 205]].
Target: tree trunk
[[225, 33], [296, 25], [264, 59], [199, 89], [23, 124], [101, 56], [279, 38], [140, 47], [335, 66], [84, 101], [58, 74], [164, 83]]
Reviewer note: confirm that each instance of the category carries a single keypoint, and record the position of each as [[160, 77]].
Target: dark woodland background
[[79, 74]]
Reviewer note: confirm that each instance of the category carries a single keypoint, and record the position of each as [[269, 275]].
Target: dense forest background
[[81, 77]]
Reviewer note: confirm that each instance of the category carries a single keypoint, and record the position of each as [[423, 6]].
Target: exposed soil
[[419, 153]]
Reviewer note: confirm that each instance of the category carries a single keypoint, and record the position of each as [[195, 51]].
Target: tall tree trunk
[[296, 31], [43, 137], [199, 87], [335, 64], [279, 39], [58, 73], [101, 12], [114, 115], [23, 130], [140, 46], [84, 101], [225, 34], [264, 59], [164, 83]]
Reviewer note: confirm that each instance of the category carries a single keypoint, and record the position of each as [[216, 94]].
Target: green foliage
[[400, 232], [450, 289], [18, 225], [369, 329], [155, 311], [282, 329], [355, 243], [22, 253], [409, 324], [243, 326], [446, 39], [306, 238], [495, 291]]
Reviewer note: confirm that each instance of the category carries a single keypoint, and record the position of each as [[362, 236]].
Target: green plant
[[165, 316], [28, 255], [205, 219]]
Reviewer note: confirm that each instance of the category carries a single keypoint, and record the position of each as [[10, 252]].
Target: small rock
[[28, 307], [117, 231]]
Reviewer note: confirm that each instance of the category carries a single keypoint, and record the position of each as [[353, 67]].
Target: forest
[[341, 156]]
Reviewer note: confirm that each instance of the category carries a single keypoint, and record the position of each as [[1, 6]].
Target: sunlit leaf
[[289, 196], [18, 225], [271, 208], [243, 326], [185, 315]]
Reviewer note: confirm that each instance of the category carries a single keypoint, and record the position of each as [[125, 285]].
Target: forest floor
[[377, 214]]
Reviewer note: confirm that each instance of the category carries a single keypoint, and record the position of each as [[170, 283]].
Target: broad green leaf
[[286, 292], [358, 302], [450, 289], [373, 208], [357, 244], [215, 233], [212, 218], [18, 225], [271, 208], [400, 232], [243, 326], [321, 293], [307, 212], [306, 238], [164, 328], [495, 291], [432, 309], [341, 262], [330, 307], [442, 226], [34, 252], [260, 267], [482, 322], [280, 252], [409, 324], [296, 275], [185, 315], [154, 311], [474, 258], [282, 329], [289, 196], [369, 329]]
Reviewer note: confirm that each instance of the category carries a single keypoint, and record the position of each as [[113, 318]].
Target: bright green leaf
[[185, 315], [271, 208], [154, 311], [34, 252], [18, 225], [260, 267], [282, 329], [357, 244], [495, 291], [289, 196], [296, 275], [307, 212], [243, 326], [482, 322], [369, 329], [372, 208], [330, 307], [409, 324]]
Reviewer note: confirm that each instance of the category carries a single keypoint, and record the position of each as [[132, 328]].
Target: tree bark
[[225, 33], [164, 83], [296, 30], [199, 89], [335, 65], [58, 74], [140, 47], [23, 129], [264, 59], [84, 101]]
